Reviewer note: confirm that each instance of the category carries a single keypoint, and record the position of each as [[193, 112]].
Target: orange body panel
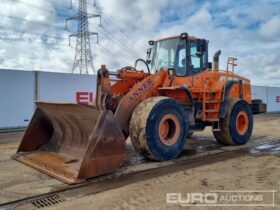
[[206, 87]]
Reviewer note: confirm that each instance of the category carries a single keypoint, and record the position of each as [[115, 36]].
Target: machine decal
[[141, 90], [277, 99], [84, 98]]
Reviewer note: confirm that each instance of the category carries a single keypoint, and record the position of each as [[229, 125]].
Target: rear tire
[[237, 126], [159, 128]]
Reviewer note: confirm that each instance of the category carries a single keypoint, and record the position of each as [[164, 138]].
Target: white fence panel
[[61, 87], [17, 93], [273, 99], [17, 98], [260, 92]]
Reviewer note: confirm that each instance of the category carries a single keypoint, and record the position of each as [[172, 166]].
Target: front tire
[[159, 128], [237, 126]]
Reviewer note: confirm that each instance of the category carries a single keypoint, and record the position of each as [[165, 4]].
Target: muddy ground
[[258, 168]]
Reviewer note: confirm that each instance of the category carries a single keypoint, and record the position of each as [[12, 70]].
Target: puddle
[[270, 148]]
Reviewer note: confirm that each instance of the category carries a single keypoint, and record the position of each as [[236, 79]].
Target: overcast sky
[[33, 37]]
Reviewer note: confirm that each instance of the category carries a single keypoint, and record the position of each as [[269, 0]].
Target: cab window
[[181, 62], [169, 53], [198, 59]]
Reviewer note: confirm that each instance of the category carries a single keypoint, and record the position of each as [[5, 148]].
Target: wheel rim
[[242, 122], [169, 129]]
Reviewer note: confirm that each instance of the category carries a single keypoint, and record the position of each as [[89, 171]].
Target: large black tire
[[234, 133], [145, 133]]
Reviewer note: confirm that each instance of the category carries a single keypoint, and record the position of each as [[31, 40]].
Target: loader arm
[[134, 87], [108, 96], [103, 88]]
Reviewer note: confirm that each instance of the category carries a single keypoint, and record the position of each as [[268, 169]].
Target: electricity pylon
[[83, 61]]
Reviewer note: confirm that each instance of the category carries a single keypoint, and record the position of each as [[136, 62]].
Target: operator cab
[[186, 55]]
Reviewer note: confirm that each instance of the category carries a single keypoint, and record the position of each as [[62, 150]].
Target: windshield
[[170, 53]]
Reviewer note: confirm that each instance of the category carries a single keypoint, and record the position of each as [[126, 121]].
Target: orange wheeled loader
[[180, 93]]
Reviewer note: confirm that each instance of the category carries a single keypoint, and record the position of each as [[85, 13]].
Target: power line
[[129, 36], [125, 44], [120, 33], [44, 44], [103, 49], [33, 22], [106, 51], [126, 36], [60, 5], [39, 8], [117, 41], [30, 40], [33, 33], [118, 28]]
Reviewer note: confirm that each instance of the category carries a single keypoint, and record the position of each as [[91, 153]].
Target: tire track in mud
[[264, 173]]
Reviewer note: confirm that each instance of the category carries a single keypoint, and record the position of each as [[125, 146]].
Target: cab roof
[[178, 36]]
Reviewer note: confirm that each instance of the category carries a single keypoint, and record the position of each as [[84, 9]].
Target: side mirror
[[151, 42], [184, 36], [201, 45], [149, 52]]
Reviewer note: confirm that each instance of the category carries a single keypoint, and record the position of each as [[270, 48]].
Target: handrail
[[231, 61]]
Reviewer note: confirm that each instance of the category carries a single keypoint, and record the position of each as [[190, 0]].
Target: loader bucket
[[72, 142]]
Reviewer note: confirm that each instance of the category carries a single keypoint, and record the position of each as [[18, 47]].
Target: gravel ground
[[259, 170]]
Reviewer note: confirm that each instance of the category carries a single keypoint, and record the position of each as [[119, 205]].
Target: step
[[215, 126], [213, 101], [212, 110], [200, 91], [207, 100], [212, 119], [216, 129]]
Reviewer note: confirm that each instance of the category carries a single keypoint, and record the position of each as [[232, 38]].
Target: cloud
[[202, 18], [249, 31], [271, 28]]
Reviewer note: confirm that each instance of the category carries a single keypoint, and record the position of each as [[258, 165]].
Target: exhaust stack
[[216, 59]]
